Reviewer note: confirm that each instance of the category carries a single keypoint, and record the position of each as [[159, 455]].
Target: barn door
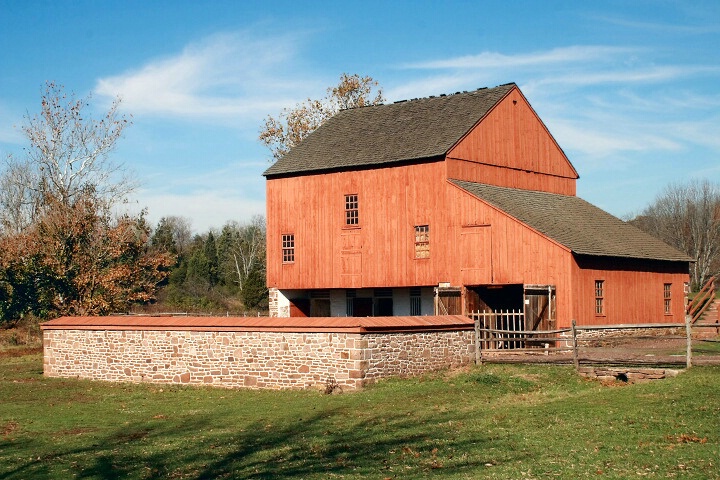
[[540, 307], [448, 301]]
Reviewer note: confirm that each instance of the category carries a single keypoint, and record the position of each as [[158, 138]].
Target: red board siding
[[511, 147], [633, 291], [379, 251], [505, 177]]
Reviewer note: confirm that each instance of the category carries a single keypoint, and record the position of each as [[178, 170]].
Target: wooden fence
[[500, 336]]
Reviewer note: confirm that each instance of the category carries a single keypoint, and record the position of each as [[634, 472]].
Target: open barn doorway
[[513, 308]]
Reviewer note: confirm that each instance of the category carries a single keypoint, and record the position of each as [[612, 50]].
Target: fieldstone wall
[[257, 360], [628, 375], [407, 354]]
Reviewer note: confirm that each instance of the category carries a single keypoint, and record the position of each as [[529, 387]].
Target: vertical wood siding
[[633, 291], [380, 250], [511, 147]]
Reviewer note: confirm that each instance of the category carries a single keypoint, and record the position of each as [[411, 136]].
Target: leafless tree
[[687, 216], [68, 154], [245, 245]]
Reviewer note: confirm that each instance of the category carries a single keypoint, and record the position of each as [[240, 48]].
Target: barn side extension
[[257, 353]]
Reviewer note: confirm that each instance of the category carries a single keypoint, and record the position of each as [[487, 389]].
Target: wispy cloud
[[226, 77], [556, 56]]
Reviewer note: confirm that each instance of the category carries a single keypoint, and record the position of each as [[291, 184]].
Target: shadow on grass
[[318, 445]]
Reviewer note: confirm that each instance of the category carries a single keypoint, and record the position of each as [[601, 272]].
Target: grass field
[[509, 422]]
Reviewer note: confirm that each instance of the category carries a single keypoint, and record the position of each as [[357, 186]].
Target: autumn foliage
[[280, 134], [77, 261], [64, 249]]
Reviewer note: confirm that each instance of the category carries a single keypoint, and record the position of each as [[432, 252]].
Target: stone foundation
[[251, 359], [627, 375]]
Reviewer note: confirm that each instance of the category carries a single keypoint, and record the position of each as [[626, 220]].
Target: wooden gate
[[507, 328]]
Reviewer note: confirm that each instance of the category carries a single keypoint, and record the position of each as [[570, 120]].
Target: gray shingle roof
[[411, 130], [578, 225]]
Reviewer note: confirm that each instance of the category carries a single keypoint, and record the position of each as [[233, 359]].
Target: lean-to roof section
[[578, 225]]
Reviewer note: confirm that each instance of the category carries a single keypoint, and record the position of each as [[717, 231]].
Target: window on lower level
[[599, 297], [422, 241], [667, 297], [415, 301], [288, 248]]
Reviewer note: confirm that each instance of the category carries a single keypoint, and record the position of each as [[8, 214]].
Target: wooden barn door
[[540, 307], [448, 301]]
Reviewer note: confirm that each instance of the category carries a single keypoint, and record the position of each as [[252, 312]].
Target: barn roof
[[370, 136], [578, 225]]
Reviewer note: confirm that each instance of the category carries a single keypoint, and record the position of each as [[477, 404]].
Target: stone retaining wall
[[628, 375], [251, 359]]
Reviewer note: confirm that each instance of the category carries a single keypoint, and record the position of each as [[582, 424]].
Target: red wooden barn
[[451, 204]]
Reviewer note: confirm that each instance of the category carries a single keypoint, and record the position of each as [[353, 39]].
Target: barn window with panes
[[667, 289], [599, 297], [422, 241], [288, 248], [352, 216]]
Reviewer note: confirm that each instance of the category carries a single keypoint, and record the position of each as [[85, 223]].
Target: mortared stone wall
[[250, 359]]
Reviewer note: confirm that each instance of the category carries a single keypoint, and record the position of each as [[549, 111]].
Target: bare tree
[[291, 126], [243, 250], [687, 216], [68, 153]]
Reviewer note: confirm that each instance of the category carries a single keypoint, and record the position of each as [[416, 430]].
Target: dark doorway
[[495, 298], [383, 307], [362, 307]]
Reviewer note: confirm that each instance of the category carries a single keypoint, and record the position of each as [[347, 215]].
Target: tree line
[[215, 272]]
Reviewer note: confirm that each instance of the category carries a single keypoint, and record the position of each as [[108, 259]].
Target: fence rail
[[496, 336]]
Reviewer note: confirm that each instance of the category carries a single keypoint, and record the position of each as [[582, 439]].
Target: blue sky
[[630, 90]]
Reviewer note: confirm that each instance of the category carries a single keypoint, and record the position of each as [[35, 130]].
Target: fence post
[[478, 353], [688, 334], [576, 362]]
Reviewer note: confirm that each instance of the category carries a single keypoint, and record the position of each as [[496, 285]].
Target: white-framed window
[[352, 209], [288, 247]]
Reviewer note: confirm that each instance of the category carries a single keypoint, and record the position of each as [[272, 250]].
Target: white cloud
[[207, 209], [605, 140], [226, 78], [562, 55]]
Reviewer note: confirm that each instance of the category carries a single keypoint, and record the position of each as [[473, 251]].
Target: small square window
[[288, 248], [422, 241], [352, 215]]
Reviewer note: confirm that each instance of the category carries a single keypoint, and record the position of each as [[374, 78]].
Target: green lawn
[[516, 422]]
